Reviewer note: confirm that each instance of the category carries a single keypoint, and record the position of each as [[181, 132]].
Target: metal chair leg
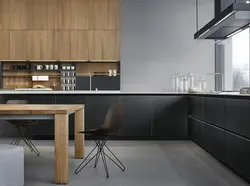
[[98, 153], [121, 166], [105, 163], [79, 168], [34, 147]]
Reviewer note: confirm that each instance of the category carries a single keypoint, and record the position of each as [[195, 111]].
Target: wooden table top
[[38, 109]]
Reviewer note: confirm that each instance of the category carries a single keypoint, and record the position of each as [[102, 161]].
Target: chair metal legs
[[100, 145], [21, 130]]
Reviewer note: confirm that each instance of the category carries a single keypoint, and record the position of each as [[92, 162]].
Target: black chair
[[110, 127], [21, 126]]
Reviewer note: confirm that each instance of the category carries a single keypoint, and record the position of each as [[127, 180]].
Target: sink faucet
[[222, 79]]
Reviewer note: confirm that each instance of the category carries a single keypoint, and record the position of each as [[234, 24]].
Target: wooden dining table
[[60, 115]]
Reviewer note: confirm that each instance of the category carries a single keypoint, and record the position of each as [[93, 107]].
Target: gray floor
[[148, 163]]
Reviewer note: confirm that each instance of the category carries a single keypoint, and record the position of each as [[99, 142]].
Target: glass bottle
[[181, 81], [185, 84], [190, 80]]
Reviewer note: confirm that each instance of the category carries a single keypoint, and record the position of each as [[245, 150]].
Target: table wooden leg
[[61, 149], [79, 138]]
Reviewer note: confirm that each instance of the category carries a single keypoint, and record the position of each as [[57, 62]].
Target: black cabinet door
[[44, 127], [195, 106], [169, 117], [82, 83], [214, 111], [96, 109], [214, 141], [195, 130], [105, 83], [137, 116], [238, 117], [71, 99], [238, 154]]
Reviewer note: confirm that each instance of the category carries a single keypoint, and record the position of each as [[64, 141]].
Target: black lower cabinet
[[169, 117], [238, 154], [195, 130], [96, 109], [238, 117], [214, 141], [137, 116], [45, 128], [214, 111]]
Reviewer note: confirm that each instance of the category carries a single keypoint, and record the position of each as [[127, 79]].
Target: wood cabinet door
[[4, 14], [18, 14], [52, 12], [79, 14], [104, 14], [79, 45], [37, 14], [63, 45], [5, 45], [63, 14], [37, 45], [52, 45], [18, 45], [104, 45]]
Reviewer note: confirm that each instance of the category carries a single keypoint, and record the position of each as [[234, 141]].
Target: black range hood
[[232, 20]]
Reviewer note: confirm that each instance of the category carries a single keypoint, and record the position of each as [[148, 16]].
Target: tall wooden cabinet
[[86, 30]]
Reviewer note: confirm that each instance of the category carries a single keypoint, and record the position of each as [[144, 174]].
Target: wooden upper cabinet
[[79, 14], [18, 45], [52, 45], [52, 13], [37, 45], [4, 14], [63, 45], [5, 45], [104, 15], [104, 45], [37, 14], [79, 45], [18, 14], [63, 14]]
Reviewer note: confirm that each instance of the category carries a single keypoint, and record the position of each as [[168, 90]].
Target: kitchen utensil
[[51, 67], [39, 67], [47, 67], [68, 67], [114, 72], [56, 67], [72, 67], [64, 67], [110, 72]]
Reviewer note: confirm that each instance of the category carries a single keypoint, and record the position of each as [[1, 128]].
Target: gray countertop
[[117, 92]]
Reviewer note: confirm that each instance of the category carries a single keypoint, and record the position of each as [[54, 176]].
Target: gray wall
[[157, 41]]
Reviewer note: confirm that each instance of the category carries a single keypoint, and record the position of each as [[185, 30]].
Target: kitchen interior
[[181, 70]]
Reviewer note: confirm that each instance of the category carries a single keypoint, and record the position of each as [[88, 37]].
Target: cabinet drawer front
[[238, 153], [214, 111], [195, 130], [238, 117], [195, 106]]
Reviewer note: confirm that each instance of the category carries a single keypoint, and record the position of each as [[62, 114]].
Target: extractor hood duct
[[232, 20]]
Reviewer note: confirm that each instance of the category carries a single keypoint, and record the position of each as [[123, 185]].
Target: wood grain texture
[[18, 14], [37, 14], [63, 15], [64, 45], [37, 45], [104, 45], [79, 15], [52, 45], [38, 109], [79, 45], [52, 13], [79, 138], [4, 14], [61, 149], [18, 45], [5, 45], [104, 15]]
